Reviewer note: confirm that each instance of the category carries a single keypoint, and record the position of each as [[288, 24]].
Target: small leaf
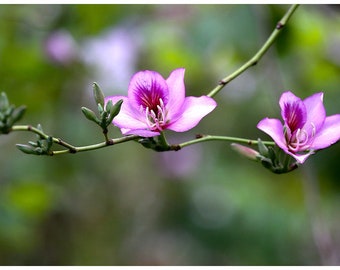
[[100, 109], [272, 156], [103, 115], [40, 127], [148, 142], [267, 163], [49, 143], [34, 144], [98, 94], [8, 112], [262, 148]]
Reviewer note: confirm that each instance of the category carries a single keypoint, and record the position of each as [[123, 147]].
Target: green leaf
[[262, 148], [100, 109], [49, 141], [272, 156], [267, 163], [40, 127]]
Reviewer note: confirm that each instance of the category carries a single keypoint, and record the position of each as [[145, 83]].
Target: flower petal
[[140, 132], [176, 86], [146, 88], [192, 111], [316, 112], [127, 117], [293, 111], [329, 134], [301, 158], [273, 127]]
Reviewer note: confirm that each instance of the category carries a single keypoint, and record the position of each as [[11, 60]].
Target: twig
[[256, 58]]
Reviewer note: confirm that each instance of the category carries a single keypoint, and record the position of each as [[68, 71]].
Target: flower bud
[[113, 110], [245, 151], [4, 104], [98, 94], [90, 115], [17, 114], [26, 149]]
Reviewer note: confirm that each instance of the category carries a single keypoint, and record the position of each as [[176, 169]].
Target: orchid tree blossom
[[154, 104], [305, 127]]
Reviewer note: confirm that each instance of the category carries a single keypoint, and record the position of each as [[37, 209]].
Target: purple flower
[[154, 104], [306, 127], [61, 47]]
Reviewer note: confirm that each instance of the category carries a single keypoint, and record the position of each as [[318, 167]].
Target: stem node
[[109, 142], [279, 25]]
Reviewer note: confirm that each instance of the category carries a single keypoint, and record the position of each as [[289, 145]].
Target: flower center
[[156, 116], [299, 140]]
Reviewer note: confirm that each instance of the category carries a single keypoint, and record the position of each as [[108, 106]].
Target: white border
[[165, 2]]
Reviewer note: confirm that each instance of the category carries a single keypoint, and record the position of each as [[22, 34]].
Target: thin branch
[[256, 58], [70, 148], [107, 143], [253, 61], [204, 138]]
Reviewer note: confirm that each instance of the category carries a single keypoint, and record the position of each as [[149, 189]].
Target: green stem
[[204, 138], [256, 58], [71, 148], [98, 145], [29, 128], [286, 161], [163, 142]]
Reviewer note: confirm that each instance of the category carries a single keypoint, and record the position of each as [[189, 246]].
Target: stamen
[[156, 119], [153, 114], [313, 130], [300, 141]]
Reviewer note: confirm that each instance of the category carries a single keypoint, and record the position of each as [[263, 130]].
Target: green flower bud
[[17, 114], [26, 149], [100, 109], [4, 103], [90, 115], [98, 94], [113, 110]]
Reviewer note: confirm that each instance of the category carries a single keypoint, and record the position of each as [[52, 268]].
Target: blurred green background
[[127, 205]]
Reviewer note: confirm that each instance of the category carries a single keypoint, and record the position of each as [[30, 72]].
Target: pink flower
[[61, 47], [306, 127], [154, 104]]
